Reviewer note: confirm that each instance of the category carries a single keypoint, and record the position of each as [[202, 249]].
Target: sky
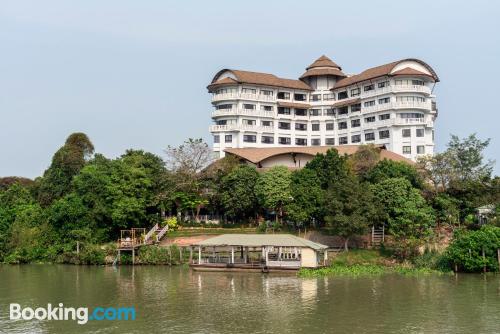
[[133, 74]]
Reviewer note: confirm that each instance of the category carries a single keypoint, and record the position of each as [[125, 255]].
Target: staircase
[[155, 234], [378, 234]]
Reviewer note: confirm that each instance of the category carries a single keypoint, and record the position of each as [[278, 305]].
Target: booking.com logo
[[80, 314]]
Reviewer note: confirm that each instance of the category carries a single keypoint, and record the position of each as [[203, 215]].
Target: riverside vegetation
[[86, 198]]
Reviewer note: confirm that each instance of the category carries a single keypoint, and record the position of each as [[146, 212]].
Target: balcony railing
[[243, 112], [240, 127], [397, 89], [398, 105], [243, 96]]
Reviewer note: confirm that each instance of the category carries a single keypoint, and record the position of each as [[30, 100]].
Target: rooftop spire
[[323, 61]]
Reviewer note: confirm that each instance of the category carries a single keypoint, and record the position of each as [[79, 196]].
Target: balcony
[[397, 89], [240, 127], [398, 105], [243, 112], [243, 96]]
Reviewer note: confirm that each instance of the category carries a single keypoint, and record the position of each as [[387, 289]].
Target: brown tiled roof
[[377, 72], [295, 105], [256, 78], [343, 103], [323, 71], [323, 61], [410, 71], [256, 155]]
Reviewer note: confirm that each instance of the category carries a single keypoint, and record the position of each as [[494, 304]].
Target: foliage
[[273, 189], [387, 169], [329, 167], [237, 192], [306, 205], [349, 208], [364, 160], [466, 249], [171, 222]]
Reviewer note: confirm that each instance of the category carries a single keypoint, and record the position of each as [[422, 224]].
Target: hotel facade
[[390, 105]]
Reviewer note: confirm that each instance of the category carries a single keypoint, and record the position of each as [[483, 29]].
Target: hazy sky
[[133, 74]]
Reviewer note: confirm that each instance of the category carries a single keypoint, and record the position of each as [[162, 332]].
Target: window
[[343, 140], [266, 108], [224, 106], [249, 90], [383, 84], [330, 112], [329, 141], [329, 126], [368, 88], [266, 92], [228, 138], [406, 133], [225, 91], [355, 138], [250, 138], [410, 99], [249, 106], [315, 142], [328, 97], [342, 125], [299, 97], [300, 126], [283, 111], [356, 107], [315, 127], [406, 149], [216, 139], [369, 103], [284, 140], [315, 112], [266, 123], [301, 112], [417, 82], [355, 91], [370, 136], [249, 122], [420, 149], [355, 123], [221, 122], [370, 119], [267, 140], [343, 110], [420, 133], [411, 115], [384, 117], [283, 95], [284, 125], [384, 100], [384, 134], [316, 97], [301, 141], [342, 95]]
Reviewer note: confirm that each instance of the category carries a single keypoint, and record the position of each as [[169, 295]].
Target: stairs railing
[[378, 235], [150, 233], [161, 233]]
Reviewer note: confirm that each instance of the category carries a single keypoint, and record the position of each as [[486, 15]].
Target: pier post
[[133, 256], [232, 254], [199, 254]]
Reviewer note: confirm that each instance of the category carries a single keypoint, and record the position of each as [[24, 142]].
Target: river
[[178, 300]]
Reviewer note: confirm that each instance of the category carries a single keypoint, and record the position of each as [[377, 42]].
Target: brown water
[[177, 300]]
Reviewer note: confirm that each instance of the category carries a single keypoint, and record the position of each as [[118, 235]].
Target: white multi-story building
[[391, 105]]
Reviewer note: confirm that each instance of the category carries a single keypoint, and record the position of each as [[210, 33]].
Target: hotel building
[[391, 105]]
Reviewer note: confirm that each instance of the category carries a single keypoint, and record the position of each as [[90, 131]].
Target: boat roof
[[258, 240]]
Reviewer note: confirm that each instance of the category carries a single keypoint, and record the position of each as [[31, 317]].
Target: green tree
[[237, 192], [364, 159], [410, 219], [387, 169], [273, 189], [330, 167], [66, 163], [350, 208], [308, 198]]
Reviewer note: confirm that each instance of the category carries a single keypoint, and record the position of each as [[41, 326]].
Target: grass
[[360, 262]]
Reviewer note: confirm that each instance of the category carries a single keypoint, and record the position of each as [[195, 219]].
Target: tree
[[387, 169], [410, 219], [237, 192], [273, 189], [364, 159], [308, 198], [349, 208], [329, 167], [66, 163]]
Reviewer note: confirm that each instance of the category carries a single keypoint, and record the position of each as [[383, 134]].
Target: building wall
[[406, 102], [308, 258]]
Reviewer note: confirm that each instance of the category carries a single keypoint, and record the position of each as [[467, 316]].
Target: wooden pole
[[199, 254], [190, 254], [484, 260], [77, 247], [232, 254], [119, 257], [133, 255], [498, 258]]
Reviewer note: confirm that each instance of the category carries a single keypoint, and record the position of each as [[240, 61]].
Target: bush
[[467, 247]]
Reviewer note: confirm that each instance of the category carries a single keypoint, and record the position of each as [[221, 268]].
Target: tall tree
[[330, 167], [273, 190], [387, 169], [364, 159], [237, 192], [307, 198]]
